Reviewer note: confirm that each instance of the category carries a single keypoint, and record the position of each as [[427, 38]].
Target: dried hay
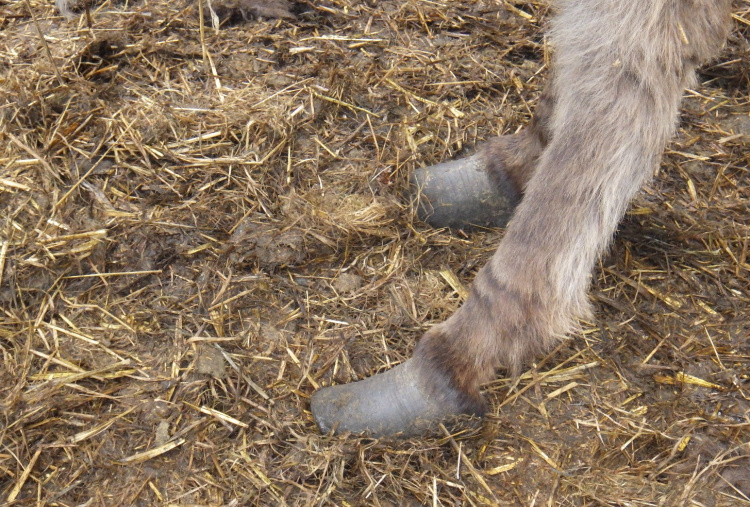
[[200, 227]]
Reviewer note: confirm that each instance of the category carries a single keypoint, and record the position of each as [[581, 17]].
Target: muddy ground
[[201, 226]]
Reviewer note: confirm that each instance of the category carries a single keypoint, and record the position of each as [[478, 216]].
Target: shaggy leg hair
[[515, 157]]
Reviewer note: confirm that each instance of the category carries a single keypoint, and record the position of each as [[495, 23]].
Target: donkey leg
[[621, 66], [483, 190]]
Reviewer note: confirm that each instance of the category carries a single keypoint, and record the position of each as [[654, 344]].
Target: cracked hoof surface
[[459, 194], [394, 403]]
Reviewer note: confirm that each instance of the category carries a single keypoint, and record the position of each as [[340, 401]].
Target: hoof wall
[[393, 403], [460, 195]]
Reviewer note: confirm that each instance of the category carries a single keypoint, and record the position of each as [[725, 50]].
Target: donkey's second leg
[[483, 190]]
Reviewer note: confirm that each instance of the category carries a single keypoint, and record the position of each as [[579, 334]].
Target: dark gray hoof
[[394, 403], [460, 194]]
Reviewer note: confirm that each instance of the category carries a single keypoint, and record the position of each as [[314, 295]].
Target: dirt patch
[[202, 226]]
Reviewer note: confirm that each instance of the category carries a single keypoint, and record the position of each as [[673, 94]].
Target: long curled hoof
[[399, 402], [460, 194]]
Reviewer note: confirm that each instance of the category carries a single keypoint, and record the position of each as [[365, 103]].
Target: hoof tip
[[393, 403]]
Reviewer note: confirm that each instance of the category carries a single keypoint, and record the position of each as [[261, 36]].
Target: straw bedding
[[201, 225]]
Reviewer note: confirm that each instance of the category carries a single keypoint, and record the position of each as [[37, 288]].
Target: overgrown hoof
[[461, 195], [398, 402]]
